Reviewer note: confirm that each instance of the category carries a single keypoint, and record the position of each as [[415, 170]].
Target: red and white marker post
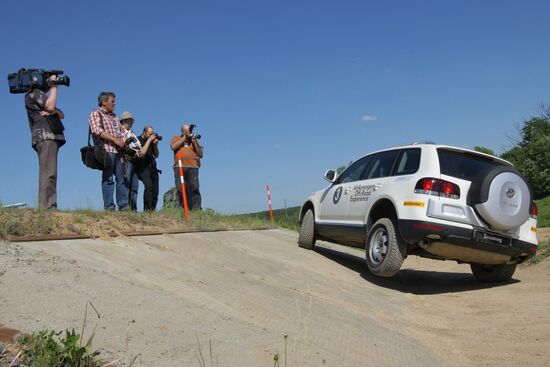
[[183, 188], [269, 201]]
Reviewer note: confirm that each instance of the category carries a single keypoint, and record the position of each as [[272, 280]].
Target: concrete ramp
[[167, 298]]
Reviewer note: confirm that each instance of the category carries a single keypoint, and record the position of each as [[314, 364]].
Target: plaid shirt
[[111, 126]]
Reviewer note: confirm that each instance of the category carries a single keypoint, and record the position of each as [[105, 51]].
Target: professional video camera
[[194, 136], [27, 79]]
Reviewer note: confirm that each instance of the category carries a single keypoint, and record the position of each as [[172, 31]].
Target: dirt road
[[163, 298]]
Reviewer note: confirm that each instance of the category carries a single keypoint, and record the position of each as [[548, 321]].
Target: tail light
[[437, 187], [534, 210]]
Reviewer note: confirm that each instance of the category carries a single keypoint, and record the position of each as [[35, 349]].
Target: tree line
[[530, 153]]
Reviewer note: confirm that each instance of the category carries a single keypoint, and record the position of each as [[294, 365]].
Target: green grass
[[50, 349], [209, 219], [542, 252], [543, 205], [285, 218]]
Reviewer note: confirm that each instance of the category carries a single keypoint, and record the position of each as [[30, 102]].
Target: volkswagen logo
[[510, 192]]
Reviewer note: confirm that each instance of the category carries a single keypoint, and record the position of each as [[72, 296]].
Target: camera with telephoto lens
[[26, 80], [193, 136], [159, 137]]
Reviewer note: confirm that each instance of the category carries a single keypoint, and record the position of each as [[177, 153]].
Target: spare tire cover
[[505, 200]]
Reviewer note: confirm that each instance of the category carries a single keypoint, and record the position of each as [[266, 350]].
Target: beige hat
[[125, 116]]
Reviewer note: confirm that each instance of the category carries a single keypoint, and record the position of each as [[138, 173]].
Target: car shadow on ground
[[415, 281]]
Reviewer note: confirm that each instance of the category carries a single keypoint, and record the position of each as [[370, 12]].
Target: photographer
[[131, 153], [47, 138], [108, 135], [146, 167], [188, 146]]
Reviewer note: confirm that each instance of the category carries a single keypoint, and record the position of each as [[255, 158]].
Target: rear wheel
[[306, 237], [493, 273], [385, 250]]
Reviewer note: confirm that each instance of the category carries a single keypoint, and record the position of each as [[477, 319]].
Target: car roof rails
[[419, 142]]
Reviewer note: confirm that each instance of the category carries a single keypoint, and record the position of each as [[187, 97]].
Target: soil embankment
[[165, 297]]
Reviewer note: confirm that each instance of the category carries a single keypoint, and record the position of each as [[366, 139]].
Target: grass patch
[[284, 218], [51, 349], [12, 223], [542, 252], [31, 222], [543, 205], [209, 219]]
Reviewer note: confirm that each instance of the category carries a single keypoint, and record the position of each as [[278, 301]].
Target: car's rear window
[[409, 162], [463, 165]]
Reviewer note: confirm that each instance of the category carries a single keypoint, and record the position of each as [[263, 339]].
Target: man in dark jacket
[[146, 167], [47, 138]]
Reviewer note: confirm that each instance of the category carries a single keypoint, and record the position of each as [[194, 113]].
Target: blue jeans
[[133, 184], [108, 185]]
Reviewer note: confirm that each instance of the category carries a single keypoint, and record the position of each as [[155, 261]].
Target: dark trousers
[[47, 176], [150, 178], [191, 178], [133, 184]]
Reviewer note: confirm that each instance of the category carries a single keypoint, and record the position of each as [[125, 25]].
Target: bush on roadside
[[49, 349], [543, 219]]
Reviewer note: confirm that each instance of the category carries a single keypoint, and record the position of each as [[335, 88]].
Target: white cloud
[[369, 118]]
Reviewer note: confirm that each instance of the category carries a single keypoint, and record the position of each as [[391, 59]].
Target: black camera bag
[[94, 157]]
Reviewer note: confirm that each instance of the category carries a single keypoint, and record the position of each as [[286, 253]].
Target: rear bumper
[[413, 231]]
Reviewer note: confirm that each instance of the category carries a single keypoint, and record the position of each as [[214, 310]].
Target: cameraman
[[191, 152], [47, 138], [146, 167]]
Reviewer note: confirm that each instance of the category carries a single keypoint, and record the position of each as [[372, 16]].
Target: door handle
[[377, 187], [347, 191]]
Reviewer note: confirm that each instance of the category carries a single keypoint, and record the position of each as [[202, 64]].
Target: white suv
[[429, 200]]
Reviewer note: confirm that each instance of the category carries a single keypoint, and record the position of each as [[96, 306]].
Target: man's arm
[[59, 113], [197, 147], [155, 148], [49, 107], [147, 145], [177, 142]]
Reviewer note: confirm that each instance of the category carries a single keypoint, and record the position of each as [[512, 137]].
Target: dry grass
[[31, 222]]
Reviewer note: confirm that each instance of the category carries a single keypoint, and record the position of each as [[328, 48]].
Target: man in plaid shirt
[[107, 133]]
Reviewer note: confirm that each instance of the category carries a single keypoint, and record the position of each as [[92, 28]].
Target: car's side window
[[409, 162], [381, 165], [354, 172]]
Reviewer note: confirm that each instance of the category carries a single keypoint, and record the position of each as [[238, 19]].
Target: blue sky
[[280, 90]]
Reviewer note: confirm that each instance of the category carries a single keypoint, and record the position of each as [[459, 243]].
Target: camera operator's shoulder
[[35, 97]]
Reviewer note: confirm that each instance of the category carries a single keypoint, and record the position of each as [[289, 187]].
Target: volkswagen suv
[[428, 200]]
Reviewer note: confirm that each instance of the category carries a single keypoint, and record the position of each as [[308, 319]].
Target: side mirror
[[330, 175]]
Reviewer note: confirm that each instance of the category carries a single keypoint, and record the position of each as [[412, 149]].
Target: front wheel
[[493, 273], [385, 250], [306, 237]]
